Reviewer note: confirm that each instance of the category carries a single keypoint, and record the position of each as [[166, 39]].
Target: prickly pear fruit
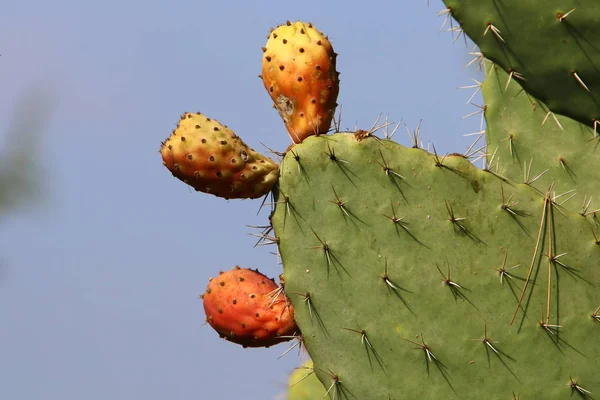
[[298, 71], [247, 308], [212, 159]]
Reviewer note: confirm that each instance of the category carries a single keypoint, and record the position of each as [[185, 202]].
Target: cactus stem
[[495, 31], [574, 384], [561, 17], [580, 81]]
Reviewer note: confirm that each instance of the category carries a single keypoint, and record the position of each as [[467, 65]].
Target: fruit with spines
[[246, 307], [212, 159], [299, 73]]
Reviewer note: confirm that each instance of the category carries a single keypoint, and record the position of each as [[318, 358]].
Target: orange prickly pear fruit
[[247, 308], [299, 73]]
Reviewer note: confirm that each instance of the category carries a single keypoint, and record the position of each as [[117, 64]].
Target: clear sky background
[[102, 265]]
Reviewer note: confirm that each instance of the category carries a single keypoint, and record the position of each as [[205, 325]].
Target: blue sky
[[102, 265]]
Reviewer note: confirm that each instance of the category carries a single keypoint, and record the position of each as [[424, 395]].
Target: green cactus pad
[[524, 141], [552, 47], [304, 384], [399, 264]]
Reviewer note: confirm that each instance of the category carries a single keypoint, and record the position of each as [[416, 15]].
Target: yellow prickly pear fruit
[[212, 159]]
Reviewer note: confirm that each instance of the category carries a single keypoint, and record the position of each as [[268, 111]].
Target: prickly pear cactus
[[431, 278], [530, 145], [551, 47], [417, 275]]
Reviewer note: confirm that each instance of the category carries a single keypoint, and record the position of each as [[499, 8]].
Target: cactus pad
[[415, 275], [527, 144], [551, 47]]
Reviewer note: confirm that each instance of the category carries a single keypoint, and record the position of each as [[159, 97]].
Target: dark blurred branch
[[21, 176]]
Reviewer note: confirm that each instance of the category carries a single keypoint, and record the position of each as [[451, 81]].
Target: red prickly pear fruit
[[246, 307], [298, 71], [209, 157]]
